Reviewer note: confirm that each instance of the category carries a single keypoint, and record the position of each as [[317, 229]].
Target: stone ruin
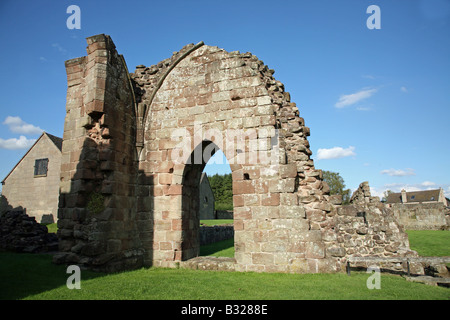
[[21, 233], [126, 203]]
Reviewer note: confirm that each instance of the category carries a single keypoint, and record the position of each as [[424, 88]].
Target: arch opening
[[201, 163]]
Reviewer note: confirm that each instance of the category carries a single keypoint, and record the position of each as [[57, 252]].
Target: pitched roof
[[56, 141], [414, 196]]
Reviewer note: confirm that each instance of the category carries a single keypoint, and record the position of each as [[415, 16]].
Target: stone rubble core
[[125, 203], [21, 233]]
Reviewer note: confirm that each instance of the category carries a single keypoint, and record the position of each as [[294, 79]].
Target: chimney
[[404, 199], [442, 196]]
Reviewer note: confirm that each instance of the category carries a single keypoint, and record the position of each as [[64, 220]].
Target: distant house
[[33, 183], [420, 210], [427, 196], [207, 200]]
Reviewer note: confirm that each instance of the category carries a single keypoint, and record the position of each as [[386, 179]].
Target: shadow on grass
[[223, 248], [25, 274]]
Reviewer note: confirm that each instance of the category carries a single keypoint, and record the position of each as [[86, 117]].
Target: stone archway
[[190, 219], [235, 96], [136, 132]]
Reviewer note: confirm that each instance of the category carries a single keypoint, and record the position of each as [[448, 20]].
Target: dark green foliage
[[337, 185], [222, 187], [96, 203]]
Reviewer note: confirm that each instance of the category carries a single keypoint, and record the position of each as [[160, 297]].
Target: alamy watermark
[[374, 281], [240, 146], [73, 281], [374, 21], [74, 20]]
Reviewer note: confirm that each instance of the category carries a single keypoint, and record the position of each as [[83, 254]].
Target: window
[[432, 198], [413, 197], [40, 167], [206, 199]]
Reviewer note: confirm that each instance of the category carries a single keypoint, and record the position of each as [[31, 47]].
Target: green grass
[[29, 276], [52, 227], [430, 243], [216, 222], [223, 248], [33, 276]]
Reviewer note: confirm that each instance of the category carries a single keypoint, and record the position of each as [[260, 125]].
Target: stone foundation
[[421, 216], [21, 233], [213, 234]]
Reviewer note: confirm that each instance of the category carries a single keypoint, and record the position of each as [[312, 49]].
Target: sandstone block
[[271, 199], [262, 258]]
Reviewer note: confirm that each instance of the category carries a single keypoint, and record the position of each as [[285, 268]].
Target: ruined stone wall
[[212, 234], [206, 88], [366, 227], [97, 223], [135, 147], [421, 216], [206, 199]]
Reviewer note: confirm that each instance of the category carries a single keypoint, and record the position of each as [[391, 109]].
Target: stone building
[[425, 196], [206, 210], [33, 183], [135, 146], [420, 210]]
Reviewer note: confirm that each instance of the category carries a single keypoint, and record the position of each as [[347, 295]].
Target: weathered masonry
[[33, 184], [135, 145]]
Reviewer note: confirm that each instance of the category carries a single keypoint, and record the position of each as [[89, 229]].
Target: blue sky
[[377, 100]]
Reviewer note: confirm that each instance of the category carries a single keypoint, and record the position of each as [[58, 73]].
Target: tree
[[222, 187], [337, 185], [386, 195]]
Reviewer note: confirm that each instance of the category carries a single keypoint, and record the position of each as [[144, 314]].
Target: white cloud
[[428, 184], [349, 99], [397, 187], [335, 153], [59, 48], [14, 144], [399, 172], [375, 192], [17, 125], [403, 89]]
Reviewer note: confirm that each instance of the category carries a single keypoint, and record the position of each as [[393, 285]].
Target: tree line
[[222, 188]]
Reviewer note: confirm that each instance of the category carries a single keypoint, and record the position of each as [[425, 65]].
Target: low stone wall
[[212, 234], [421, 216], [21, 233], [224, 214]]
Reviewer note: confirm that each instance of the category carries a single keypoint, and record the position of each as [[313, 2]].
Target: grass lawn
[[33, 276], [216, 222], [223, 248], [429, 243], [52, 227]]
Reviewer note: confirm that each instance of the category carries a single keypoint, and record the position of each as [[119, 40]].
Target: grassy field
[[52, 228], [429, 243], [223, 248], [216, 222], [33, 276], [28, 276]]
